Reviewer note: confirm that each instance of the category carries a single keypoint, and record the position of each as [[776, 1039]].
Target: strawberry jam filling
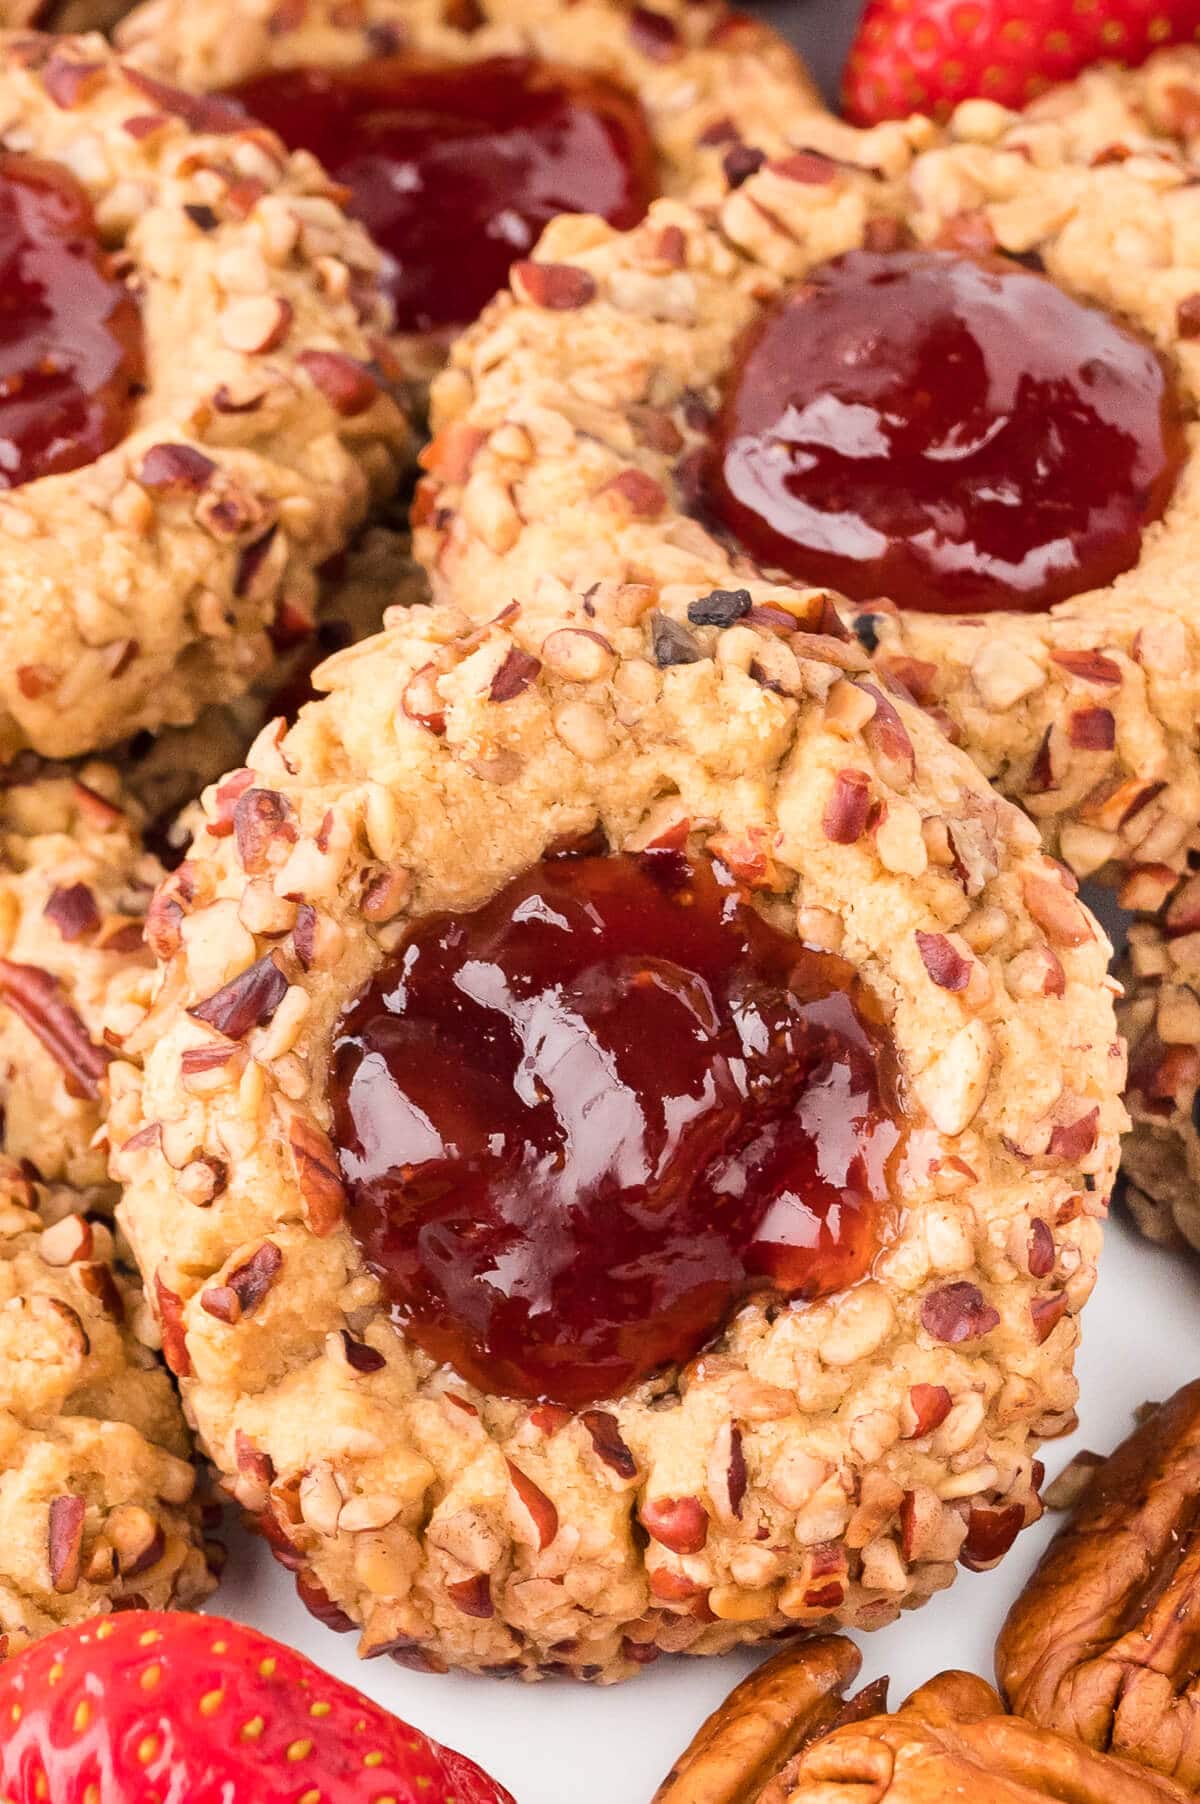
[[456, 168], [70, 332], [955, 434], [581, 1124]]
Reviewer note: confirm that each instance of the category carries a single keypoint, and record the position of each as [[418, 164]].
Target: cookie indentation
[[71, 357], [953, 433], [580, 1124], [455, 168]]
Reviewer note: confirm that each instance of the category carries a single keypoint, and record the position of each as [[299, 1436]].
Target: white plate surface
[[559, 1743]]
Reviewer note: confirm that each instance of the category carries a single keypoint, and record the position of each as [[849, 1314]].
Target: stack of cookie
[[607, 1080]]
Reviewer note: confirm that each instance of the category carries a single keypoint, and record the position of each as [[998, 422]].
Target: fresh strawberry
[[925, 56], [143, 1708]]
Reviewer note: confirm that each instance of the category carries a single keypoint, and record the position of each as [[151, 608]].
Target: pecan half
[[783, 1706], [786, 1736], [1104, 1642], [952, 1740]]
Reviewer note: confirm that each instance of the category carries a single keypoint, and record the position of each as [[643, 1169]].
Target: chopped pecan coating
[[75, 882], [694, 67], [1082, 711], [1104, 1641], [146, 582], [1161, 975], [831, 1428], [97, 1490]]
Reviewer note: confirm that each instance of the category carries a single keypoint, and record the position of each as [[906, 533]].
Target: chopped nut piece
[[605, 1433], [514, 676], [346, 384], [316, 1171], [1064, 1492], [256, 323], [66, 1542], [953, 1087], [846, 810], [957, 1313], [557, 286], [948, 967], [541, 1513], [680, 1523], [246, 1001], [929, 1405]]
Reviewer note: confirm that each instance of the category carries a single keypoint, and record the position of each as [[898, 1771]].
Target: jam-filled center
[[952, 433], [580, 1124], [456, 168], [70, 332]]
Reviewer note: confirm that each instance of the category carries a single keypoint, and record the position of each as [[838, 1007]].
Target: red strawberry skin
[[146, 1708], [924, 56]]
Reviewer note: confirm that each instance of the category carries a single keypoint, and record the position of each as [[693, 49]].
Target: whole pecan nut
[[786, 1736], [743, 1746], [1104, 1642], [746, 1750], [953, 1740]]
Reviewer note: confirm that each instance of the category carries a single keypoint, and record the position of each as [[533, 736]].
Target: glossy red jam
[[70, 332], [581, 1123], [956, 434], [456, 168]]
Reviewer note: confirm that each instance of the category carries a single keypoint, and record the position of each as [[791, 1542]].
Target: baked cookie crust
[[61, 15], [1160, 1017], [710, 80], [166, 773], [692, 67], [1132, 107], [96, 1484], [67, 16], [75, 883], [464, 1529], [142, 586], [569, 421]]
